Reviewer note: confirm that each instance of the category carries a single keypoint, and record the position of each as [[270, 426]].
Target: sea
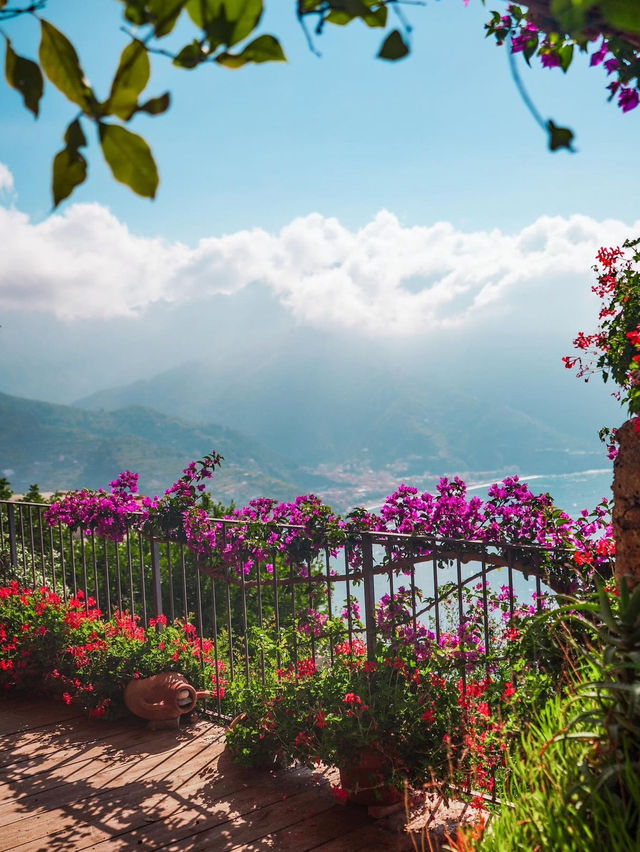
[[572, 492]]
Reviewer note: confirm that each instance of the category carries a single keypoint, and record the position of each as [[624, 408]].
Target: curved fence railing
[[432, 577]]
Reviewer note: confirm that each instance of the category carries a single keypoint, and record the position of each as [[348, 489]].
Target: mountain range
[[292, 412], [61, 447]]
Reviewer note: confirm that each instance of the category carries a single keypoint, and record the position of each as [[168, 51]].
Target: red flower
[[352, 698], [340, 794], [509, 691]]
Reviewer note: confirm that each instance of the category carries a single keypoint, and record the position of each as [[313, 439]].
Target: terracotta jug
[[162, 697]]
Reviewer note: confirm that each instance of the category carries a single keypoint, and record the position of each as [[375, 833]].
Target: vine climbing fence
[[432, 577]]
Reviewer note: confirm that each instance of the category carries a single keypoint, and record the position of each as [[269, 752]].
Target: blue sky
[[442, 135], [394, 201]]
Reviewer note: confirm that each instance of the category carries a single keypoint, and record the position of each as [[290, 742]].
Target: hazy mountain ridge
[[61, 447], [377, 416]]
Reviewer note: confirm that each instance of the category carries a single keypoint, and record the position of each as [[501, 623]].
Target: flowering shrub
[[32, 623], [525, 33], [332, 714], [107, 514], [614, 349], [167, 517], [267, 533], [72, 652], [423, 706], [298, 532], [511, 516]]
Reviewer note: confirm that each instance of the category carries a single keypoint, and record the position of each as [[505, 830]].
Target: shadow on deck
[[69, 783]]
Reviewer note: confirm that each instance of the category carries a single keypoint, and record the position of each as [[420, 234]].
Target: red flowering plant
[[426, 707], [334, 714], [31, 627], [99, 657], [70, 651], [614, 348]]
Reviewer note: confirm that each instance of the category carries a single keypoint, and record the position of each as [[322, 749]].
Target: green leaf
[[571, 14], [129, 158], [339, 18], [154, 106], [60, 63], [164, 14], [190, 55], [393, 47], [265, 48], [623, 14], [559, 137], [25, 76], [225, 21], [566, 56], [74, 136], [129, 81], [355, 8], [69, 171], [161, 14], [377, 18]]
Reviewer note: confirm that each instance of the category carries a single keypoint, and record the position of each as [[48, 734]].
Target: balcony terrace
[[70, 783], [73, 783]]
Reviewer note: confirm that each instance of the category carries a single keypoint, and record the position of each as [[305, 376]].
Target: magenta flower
[[628, 99]]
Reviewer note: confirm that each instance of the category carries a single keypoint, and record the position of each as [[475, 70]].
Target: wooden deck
[[69, 783]]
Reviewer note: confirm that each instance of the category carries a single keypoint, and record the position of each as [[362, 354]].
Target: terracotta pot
[[161, 697], [365, 780]]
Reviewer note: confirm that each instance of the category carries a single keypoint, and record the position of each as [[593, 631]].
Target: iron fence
[[147, 578]]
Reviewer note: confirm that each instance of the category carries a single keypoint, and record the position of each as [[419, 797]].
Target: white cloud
[[6, 179], [384, 279]]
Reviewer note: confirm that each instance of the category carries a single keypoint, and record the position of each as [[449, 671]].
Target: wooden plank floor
[[68, 783]]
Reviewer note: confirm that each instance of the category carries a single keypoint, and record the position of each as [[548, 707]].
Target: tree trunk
[[626, 505]]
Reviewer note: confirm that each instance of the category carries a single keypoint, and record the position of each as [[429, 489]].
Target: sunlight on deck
[[70, 784]]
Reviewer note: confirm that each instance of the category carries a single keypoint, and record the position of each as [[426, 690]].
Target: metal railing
[[147, 578]]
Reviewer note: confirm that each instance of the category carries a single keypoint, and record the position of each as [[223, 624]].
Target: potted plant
[[98, 659], [381, 722]]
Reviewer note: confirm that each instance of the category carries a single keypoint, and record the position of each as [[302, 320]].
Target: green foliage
[[222, 24], [559, 137], [33, 495], [25, 76], [576, 778], [6, 491], [129, 158]]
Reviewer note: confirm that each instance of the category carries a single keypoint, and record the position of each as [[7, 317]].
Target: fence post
[[369, 595], [13, 545], [156, 577]]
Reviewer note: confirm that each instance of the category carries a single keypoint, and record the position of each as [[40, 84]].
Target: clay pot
[[365, 780], [161, 697]]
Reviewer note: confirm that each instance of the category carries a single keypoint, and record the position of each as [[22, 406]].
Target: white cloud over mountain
[[384, 279]]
